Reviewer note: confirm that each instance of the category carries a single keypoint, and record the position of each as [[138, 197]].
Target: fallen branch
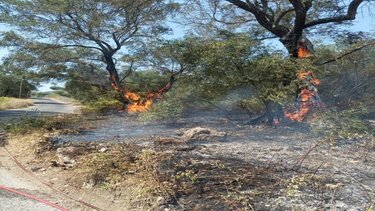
[[298, 164]]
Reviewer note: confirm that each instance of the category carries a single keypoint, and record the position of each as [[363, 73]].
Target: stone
[[202, 134], [67, 155]]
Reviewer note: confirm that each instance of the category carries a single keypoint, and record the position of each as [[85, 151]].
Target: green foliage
[[215, 67], [11, 103], [252, 105], [145, 81], [27, 124], [346, 125], [171, 105], [83, 91], [349, 80], [102, 104], [272, 76], [165, 109], [65, 39], [189, 174], [10, 86], [222, 65]]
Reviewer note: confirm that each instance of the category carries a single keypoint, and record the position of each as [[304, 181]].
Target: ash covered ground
[[268, 168]]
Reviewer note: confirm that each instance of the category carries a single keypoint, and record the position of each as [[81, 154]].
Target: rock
[[54, 163], [35, 168], [47, 136], [202, 134], [67, 155], [160, 200], [341, 205]]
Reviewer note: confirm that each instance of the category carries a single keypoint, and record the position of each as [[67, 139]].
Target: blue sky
[[364, 22]]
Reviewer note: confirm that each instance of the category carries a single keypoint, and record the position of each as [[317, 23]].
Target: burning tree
[[290, 21], [307, 93], [100, 29]]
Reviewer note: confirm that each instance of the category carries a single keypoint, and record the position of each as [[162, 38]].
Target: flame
[[308, 94], [303, 52], [306, 98], [139, 104], [308, 76], [132, 96], [300, 115]]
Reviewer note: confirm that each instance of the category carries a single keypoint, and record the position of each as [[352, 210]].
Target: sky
[[364, 22]]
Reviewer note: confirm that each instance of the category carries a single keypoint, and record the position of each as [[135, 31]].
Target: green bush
[[252, 105], [27, 124], [345, 125], [101, 105], [10, 86], [164, 109]]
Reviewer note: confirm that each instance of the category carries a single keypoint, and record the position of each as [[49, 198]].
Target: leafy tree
[[214, 67], [71, 31], [12, 85], [293, 22], [348, 81], [290, 21]]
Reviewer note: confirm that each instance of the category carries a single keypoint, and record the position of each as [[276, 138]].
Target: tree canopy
[[93, 31], [287, 20]]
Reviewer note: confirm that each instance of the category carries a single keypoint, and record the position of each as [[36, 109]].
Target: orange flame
[[308, 95], [303, 52], [139, 104], [308, 76], [132, 96], [305, 96]]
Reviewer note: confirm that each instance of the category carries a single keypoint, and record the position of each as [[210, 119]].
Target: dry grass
[[12, 103]]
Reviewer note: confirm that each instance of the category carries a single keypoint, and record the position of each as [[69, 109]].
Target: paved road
[[41, 107], [12, 177]]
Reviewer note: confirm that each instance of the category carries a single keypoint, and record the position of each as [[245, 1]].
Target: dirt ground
[[119, 163]]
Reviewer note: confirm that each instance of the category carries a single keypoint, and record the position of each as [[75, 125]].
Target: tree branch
[[278, 19], [128, 73], [347, 53], [80, 46], [262, 17], [350, 15]]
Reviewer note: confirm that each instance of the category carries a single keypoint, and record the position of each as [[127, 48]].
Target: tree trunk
[[115, 81], [273, 114]]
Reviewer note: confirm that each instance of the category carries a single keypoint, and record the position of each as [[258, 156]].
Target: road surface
[[41, 107], [12, 178]]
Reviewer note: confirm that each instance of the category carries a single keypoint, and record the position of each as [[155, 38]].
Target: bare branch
[[278, 19], [350, 15], [130, 70], [79, 46], [348, 53], [262, 17]]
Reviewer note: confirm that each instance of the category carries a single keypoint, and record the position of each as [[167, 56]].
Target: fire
[[308, 76], [132, 96], [305, 97], [308, 93], [139, 104], [303, 52]]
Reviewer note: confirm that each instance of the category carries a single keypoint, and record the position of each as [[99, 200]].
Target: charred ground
[[203, 161]]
